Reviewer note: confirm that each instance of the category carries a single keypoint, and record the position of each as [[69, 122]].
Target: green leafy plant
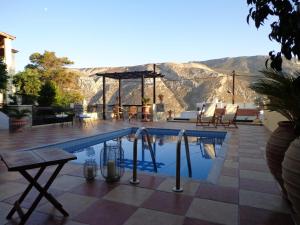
[[18, 113], [3, 76], [145, 100], [282, 93], [285, 26], [47, 94], [161, 97], [28, 82]]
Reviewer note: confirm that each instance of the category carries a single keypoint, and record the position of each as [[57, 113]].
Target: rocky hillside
[[184, 84]]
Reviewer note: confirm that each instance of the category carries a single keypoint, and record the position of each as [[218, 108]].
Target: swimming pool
[[207, 151]]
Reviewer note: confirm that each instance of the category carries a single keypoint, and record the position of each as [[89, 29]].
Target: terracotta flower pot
[[17, 124], [291, 174], [277, 145], [146, 112]]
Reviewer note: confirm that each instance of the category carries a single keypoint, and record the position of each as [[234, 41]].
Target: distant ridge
[[184, 84]]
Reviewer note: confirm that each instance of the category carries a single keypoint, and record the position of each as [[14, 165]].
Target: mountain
[[184, 84], [247, 65]]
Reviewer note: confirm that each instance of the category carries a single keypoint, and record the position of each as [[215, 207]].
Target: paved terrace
[[246, 193]]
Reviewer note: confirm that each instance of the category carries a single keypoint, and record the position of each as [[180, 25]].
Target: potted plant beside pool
[[18, 119], [161, 98], [283, 97], [146, 109]]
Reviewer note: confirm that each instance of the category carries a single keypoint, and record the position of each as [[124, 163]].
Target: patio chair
[[132, 112], [118, 112], [206, 115], [229, 116]]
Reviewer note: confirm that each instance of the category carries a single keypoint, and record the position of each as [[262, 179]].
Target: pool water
[[204, 152]]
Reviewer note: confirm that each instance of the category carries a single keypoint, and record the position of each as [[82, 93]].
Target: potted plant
[[146, 108], [291, 162], [282, 97], [17, 119], [161, 98]]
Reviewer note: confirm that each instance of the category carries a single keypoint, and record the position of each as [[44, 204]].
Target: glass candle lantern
[[90, 169], [111, 162]]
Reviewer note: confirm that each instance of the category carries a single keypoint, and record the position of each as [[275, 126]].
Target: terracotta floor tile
[[259, 186], [256, 175], [32, 196], [168, 202], [255, 216], [254, 167], [212, 211], [190, 187], [96, 188], [263, 201], [257, 155], [227, 171], [148, 181], [106, 212], [38, 218], [192, 221], [218, 193], [66, 182], [228, 181], [9, 189], [72, 203], [150, 217], [129, 194]]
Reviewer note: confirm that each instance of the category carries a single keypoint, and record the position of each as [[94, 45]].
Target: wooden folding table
[[40, 159]]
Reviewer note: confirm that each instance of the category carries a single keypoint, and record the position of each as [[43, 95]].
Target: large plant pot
[[146, 113], [17, 125], [291, 174], [277, 145]]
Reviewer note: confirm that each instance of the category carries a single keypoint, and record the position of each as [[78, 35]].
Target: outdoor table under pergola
[[142, 75]]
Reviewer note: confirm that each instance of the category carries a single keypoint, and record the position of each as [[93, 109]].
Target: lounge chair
[[207, 147], [206, 115], [229, 116]]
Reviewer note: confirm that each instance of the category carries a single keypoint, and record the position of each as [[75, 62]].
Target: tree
[[53, 68], [27, 82], [284, 30], [3, 76], [47, 94]]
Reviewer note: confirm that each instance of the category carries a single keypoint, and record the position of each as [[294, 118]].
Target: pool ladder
[[181, 134], [139, 131]]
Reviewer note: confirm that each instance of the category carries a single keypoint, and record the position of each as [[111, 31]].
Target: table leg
[[43, 192], [22, 197]]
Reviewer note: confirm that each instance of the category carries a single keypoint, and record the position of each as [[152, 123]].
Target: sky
[[95, 33]]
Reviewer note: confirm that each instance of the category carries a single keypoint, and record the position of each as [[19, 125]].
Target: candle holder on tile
[[112, 161], [90, 169]]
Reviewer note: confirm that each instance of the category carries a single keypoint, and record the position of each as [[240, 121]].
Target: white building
[[8, 54]]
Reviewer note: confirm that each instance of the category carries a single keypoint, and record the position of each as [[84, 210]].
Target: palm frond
[[282, 91]]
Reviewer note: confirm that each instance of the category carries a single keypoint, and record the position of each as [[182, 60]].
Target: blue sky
[[131, 32]]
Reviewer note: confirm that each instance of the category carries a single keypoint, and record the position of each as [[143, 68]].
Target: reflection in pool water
[[203, 152]]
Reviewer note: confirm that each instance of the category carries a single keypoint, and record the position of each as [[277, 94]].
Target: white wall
[[8, 54], [4, 121]]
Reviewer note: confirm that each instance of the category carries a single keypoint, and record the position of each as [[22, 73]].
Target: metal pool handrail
[[134, 179], [181, 134]]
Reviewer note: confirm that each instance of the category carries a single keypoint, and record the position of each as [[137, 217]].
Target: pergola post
[[154, 85], [154, 90], [120, 83], [103, 98], [143, 89]]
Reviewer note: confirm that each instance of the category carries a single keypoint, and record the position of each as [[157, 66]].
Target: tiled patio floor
[[245, 194]]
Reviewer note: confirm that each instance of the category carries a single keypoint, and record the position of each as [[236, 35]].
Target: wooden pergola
[[129, 75]]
